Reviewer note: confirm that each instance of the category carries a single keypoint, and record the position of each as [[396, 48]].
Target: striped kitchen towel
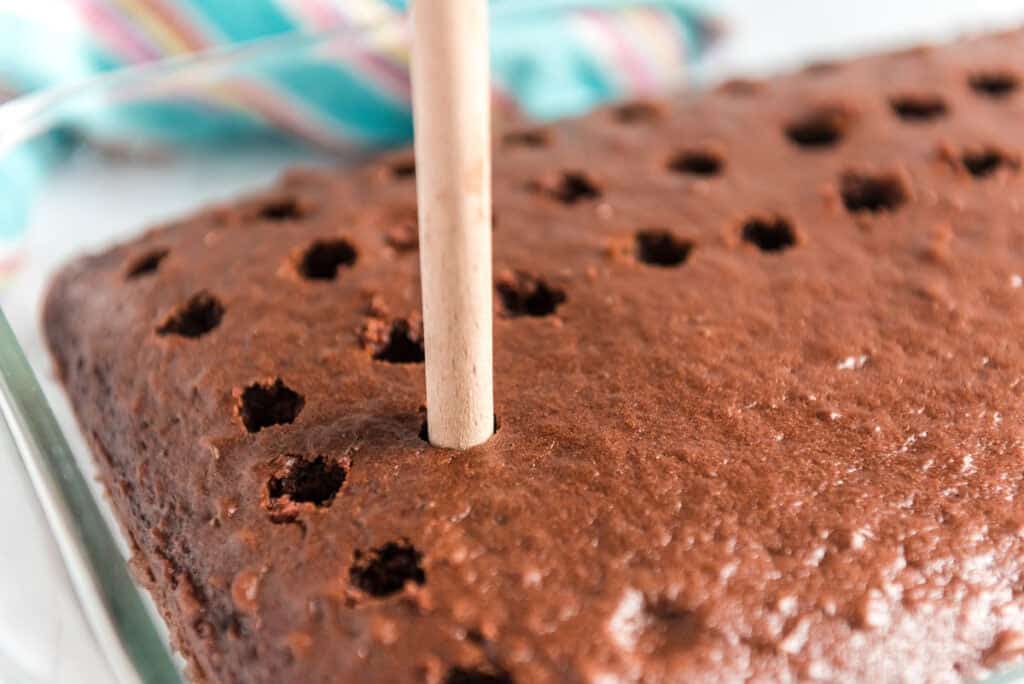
[[550, 58]]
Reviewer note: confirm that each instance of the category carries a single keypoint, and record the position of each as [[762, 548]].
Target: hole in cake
[[659, 247], [821, 67], [303, 481], [283, 209], [637, 113], [399, 342], [740, 87], [668, 613], [200, 314], [983, 162], [527, 138], [263, 405], [146, 264], [995, 84], [670, 626], [461, 675], [524, 295], [696, 163], [574, 187], [424, 433], [823, 127], [916, 108], [385, 570], [872, 193], [323, 258], [404, 169], [914, 51], [773, 234]]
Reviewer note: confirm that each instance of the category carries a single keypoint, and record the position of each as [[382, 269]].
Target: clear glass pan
[[105, 198]]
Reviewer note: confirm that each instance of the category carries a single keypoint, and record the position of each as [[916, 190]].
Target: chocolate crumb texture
[[758, 366]]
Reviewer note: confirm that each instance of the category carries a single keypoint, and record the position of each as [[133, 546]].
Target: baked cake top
[[758, 376]]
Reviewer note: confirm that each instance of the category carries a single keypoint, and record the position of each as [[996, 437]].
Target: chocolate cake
[[759, 379]]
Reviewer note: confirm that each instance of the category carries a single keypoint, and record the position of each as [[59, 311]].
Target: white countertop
[[43, 637]]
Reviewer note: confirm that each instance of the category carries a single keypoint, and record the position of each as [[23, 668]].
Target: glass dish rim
[[105, 588]]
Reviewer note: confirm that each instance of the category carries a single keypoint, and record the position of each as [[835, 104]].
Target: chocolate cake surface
[[759, 376]]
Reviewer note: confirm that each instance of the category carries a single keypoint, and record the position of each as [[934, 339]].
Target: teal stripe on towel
[[240, 20], [345, 98]]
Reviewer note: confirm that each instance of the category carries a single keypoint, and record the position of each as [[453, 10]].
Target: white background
[[42, 636]]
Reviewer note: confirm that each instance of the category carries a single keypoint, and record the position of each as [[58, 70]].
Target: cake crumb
[[245, 590], [853, 362]]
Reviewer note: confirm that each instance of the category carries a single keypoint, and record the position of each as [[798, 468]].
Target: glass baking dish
[[109, 193]]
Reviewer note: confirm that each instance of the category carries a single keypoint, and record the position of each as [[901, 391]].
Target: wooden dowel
[[451, 107]]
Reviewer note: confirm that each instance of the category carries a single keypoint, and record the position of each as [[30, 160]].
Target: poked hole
[[916, 108], [660, 247], [282, 209], [638, 112], [994, 83], [769, 233], [740, 87], [386, 570], [315, 481], [673, 623], [201, 314], [522, 294], [403, 169], [264, 405], [399, 341], [697, 162], [872, 193], [822, 127], [531, 137], [982, 162], [324, 258], [146, 264], [822, 67], [424, 433], [571, 187]]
